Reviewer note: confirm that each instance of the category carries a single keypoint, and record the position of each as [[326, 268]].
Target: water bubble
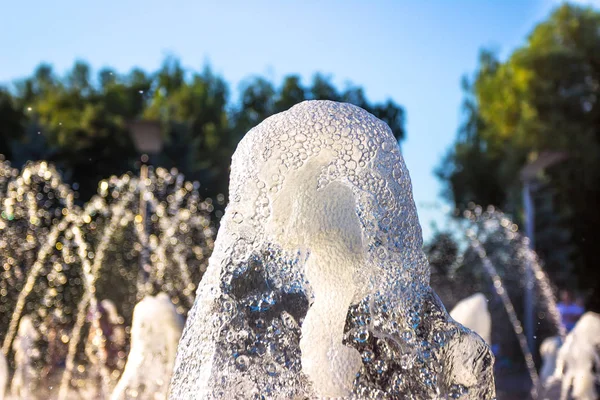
[[271, 368], [242, 362], [386, 323], [237, 217], [361, 335], [380, 366], [387, 146]]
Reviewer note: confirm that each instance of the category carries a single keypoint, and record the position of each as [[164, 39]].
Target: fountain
[[473, 313], [578, 360], [494, 228], [549, 352], [25, 349], [3, 375], [318, 286], [505, 255], [60, 260], [155, 332], [510, 310]]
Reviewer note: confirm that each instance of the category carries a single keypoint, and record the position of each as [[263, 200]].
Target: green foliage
[[442, 253], [13, 119], [474, 170], [80, 121], [544, 97], [291, 93]]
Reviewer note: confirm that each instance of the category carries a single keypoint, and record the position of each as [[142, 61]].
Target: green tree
[[475, 169], [13, 120], [80, 121], [544, 97], [257, 102], [291, 93], [87, 126], [323, 89], [442, 252], [260, 99], [196, 122]]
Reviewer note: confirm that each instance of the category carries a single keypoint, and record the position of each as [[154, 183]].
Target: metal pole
[[143, 272], [529, 319]]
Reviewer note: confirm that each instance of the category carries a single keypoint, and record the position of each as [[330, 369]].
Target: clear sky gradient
[[414, 52]]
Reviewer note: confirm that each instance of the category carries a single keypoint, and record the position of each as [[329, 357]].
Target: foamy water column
[[473, 313], [155, 332], [24, 347], [549, 352], [3, 375], [318, 286], [578, 358]]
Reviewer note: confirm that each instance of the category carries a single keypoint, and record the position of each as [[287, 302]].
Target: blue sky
[[414, 52]]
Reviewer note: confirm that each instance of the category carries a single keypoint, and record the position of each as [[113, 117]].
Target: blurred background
[[492, 103]]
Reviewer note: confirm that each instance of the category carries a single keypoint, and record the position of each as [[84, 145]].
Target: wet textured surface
[[155, 332], [318, 286], [578, 360], [472, 312], [73, 273]]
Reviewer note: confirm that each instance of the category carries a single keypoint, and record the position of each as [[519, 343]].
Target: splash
[[549, 352], [155, 332], [493, 226], [24, 348], [3, 375], [473, 313], [491, 270], [60, 260], [318, 286], [579, 358]]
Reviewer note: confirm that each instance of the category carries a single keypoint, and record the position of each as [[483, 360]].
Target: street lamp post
[[529, 306], [147, 139], [529, 176]]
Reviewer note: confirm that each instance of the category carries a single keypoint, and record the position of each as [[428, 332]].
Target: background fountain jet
[[473, 313]]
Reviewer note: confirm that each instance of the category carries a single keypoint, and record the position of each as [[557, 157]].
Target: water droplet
[[242, 362], [361, 335], [237, 217], [271, 369]]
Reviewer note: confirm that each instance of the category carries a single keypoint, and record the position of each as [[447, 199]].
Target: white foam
[[155, 332], [578, 357], [3, 375], [473, 313], [24, 350], [549, 352], [318, 261]]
